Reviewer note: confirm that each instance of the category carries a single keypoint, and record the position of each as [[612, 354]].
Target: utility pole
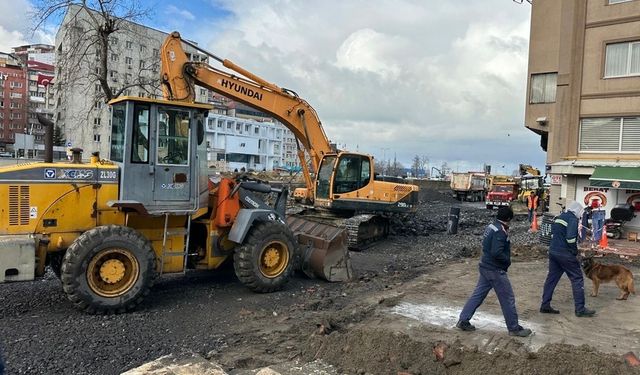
[[384, 159]]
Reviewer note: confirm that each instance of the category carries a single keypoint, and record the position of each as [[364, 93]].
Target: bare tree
[[379, 166], [92, 41], [416, 166], [424, 164], [101, 53]]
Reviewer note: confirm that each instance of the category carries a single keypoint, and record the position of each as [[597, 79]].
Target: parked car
[[6, 155]]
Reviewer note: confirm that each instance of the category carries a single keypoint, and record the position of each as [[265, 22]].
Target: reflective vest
[[532, 203]]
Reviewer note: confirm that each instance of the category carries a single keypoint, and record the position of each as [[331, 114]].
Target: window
[[129, 61], [96, 121], [173, 137], [114, 57], [622, 59], [96, 137], [156, 53], [128, 44], [140, 138], [141, 64], [613, 134], [257, 130], [127, 77], [114, 75], [352, 173], [143, 48], [543, 88], [117, 131]]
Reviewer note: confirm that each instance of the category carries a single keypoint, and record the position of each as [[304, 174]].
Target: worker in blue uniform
[[495, 260], [563, 252]]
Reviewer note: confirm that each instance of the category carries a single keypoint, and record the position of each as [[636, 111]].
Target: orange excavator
[[344, 182]]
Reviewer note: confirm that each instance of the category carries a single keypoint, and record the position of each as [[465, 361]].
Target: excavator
[[344, 185], [109, 227]]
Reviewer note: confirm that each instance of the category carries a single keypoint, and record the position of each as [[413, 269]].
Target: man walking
[[496, 259], [562, 259], [532, 204]]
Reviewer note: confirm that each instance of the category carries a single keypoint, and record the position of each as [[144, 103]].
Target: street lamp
[[384, 159]]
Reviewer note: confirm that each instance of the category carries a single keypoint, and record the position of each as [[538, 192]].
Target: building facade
[[13, 101], [583, 98], [40, 97], [236, 143], [133, 69]]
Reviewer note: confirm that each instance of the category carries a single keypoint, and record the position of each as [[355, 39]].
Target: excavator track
[[362, 230]]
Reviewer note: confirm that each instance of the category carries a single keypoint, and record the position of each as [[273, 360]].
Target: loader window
[[353, 173], [140, 151], [118, 114], [173, 137]]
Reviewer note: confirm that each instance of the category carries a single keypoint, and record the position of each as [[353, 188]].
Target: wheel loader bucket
[[323, 249]]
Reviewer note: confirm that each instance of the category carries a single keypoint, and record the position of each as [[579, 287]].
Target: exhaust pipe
[[48, 137]]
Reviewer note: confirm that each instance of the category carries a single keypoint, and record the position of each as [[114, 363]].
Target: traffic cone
[[604, 241], [534, 223]]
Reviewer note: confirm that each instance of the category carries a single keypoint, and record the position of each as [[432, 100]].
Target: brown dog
[[599, 272]]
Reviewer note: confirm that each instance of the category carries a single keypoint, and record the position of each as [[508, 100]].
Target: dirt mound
[[378, 351]]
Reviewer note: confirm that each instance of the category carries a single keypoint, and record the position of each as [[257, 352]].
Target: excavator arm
[[180, 74]]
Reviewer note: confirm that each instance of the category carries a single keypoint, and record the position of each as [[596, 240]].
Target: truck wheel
[[264, 262], [108, 269]]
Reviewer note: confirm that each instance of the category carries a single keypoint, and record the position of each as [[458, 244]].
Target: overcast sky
[[442, 79]]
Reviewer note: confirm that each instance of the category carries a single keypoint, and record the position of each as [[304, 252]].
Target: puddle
[[446, 316]]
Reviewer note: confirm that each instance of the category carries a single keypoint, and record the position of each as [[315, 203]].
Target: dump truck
[[504, 189], [469, 186]]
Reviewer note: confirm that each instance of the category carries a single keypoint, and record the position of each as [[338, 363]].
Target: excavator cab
[[341, 174], [160, 149]]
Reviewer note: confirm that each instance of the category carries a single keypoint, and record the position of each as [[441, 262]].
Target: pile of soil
[[363, 350]]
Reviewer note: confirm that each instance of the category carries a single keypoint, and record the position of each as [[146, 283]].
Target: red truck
[[501, 194]]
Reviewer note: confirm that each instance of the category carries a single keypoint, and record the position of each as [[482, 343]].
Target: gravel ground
[[213, 315]]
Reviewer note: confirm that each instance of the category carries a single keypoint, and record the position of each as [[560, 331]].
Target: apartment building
[[40, 97], [583, 99], [133, 67], [236, 143], [13, 94]]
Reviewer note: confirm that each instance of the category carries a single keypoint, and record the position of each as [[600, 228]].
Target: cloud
[[183, 13], [441, 79], [15, 26]]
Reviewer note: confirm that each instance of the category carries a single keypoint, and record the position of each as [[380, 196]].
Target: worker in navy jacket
[[494, 263], [563, 252]]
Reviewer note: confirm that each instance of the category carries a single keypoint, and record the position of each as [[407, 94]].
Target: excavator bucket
[[323, 248]]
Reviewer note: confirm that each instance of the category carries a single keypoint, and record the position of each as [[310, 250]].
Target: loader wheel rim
[[112, 272], [274, 259]]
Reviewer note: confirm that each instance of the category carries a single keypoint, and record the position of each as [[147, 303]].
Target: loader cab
[[160, 149]]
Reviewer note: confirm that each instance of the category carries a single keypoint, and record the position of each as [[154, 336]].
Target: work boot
[[586, 313], [548, 310], [465, 326], [522, 332]]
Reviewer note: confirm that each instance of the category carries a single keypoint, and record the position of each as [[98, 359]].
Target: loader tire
[[266, 259], [108, 269]]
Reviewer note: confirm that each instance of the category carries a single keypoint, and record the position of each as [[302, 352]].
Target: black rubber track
[[80, 253], [246, 256]]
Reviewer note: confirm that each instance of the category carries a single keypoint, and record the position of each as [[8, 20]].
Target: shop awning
[[616, 177]]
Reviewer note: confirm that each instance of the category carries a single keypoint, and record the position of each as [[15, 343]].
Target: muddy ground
[[394, 317]]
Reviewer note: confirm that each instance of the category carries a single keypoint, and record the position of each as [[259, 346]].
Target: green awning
[[616, 177]]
